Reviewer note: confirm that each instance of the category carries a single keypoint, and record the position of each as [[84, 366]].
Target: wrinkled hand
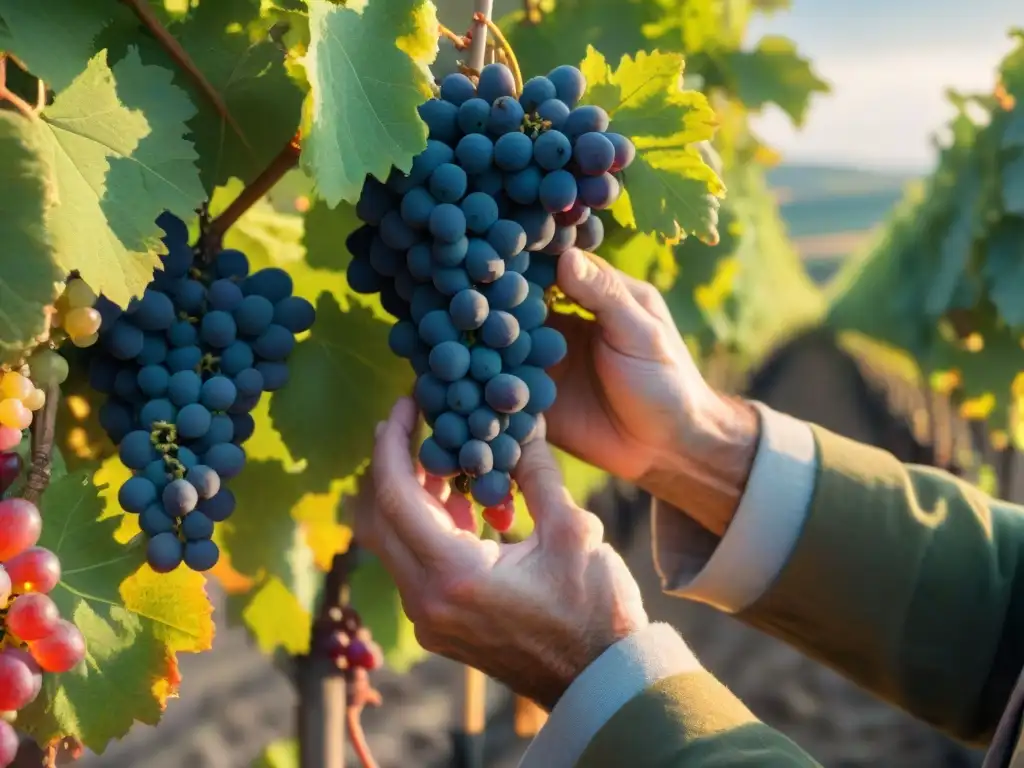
[[631, 400], [534, 614]]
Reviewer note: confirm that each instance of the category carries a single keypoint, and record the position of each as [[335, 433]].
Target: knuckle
[[457, 589], [434, 611]]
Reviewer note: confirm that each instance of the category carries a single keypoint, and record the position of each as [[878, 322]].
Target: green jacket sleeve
[[690, 720], [908, 581]]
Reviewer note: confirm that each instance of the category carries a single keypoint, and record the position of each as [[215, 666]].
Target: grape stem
[[505, 47], [286, 160], [180, 57], [460, 42], [44, 428], [14, 99]]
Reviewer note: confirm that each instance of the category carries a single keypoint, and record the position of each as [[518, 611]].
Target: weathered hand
[[534, 614], [631, 400]]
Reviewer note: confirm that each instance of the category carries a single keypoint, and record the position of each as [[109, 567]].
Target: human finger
[[558, 521], [648, 297], [461, 510], [438, 487], [378, 538]]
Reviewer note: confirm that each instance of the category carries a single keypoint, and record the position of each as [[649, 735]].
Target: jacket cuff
[[618, 675], [732, 572]]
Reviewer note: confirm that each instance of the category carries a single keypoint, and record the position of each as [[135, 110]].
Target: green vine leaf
[[327, 416], [29, 276], [116, 139], [671, 190], [134, 622], [367, 75], [375, 597]]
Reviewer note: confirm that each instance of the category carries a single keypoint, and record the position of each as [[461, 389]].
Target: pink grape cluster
[[33, 637]]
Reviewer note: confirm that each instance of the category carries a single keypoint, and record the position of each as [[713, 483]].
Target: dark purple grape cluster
[[463, 248], [184, 366], [347, 642]]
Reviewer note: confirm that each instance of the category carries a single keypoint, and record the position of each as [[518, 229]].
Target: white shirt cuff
[[619, 674], [733, 572]]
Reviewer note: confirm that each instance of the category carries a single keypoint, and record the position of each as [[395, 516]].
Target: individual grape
[[447, 223], [79, 294], [193, 421], [220, 507], [532, 312], [395, 233], [541, 387], [448, 183], [481, 212], [522, 427], [457, 88], [451, 280], [506, 453], [495, 81], [48, 368], [14, 385], [468, 310], [11, 465], [179, 498], [20, 527], [563, 239], [136, 494], [499, 329], [136, 450], [507, 238], [224, 295], [5, 587], [555, 112], [184, 359], [61, 651], [417, 205], [576, 215], [552, 150], [485, 423], [473, 115], [569, 82], [10, 437], [543, 270], [18, 681], [538, 225], [184, 387], [500, 516], [196, 527], [272, 283], [274, 344], [443, 119], [222, 429], [475, 458], [506, 116], [190, 296], [625, 151], [419, 263], [490, 182], [483, 264], [157, 411], [374, 201], [124, 340], [82, 322], [218, 393], [548, 347], [594, 153], [154, 520], [536, 91], [164, 552], [34, 570], [201, 555], [231, 264], [492, 488], [218, 329], [205, 481], [32, 617], [558, 191], [358, 241], [448, 254], [126, 386], [431, 394], [275, 375], [451, 430], [599, 192], [116, 419], [226, 459], [186, 458], [157, 473], [403, 339], [14, 414], [425, 162], [475, 153], [253, 315], [590, 234], [464, 396], [9, 744], [437, 327], [513, 151], [362, 277], [524, 186], [485, 363], [154, 350], [506, 393], [449, 361], [586, 119], [385, 259], [436, 460], [155, 311]]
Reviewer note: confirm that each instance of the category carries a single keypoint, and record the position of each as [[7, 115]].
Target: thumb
[[557, 520], [599, 288]]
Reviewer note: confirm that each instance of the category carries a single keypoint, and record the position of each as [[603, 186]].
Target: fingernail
[[379, 430]]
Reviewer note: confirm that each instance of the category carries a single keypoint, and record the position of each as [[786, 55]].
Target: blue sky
[[889, 62]]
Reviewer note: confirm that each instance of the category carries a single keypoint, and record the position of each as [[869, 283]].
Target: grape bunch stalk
[[463, 251], [184, 366], [33, 638]]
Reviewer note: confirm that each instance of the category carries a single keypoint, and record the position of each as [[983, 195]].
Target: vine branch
[[14, 99], [44, 428], [180, 57], [285, 161], [478, 34], [461, 43]]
